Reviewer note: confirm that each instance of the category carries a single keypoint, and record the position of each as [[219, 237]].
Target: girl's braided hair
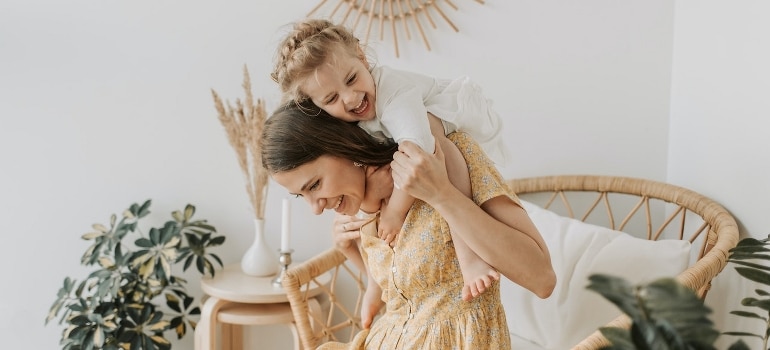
[[304, 49]]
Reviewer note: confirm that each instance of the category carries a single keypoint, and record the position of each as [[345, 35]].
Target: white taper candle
[[285, 225]]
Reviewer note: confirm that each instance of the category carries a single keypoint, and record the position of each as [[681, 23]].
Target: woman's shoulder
[[460, 137], [486, 180], [474, 155], [465, 142]]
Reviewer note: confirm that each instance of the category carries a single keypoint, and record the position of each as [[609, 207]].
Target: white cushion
[[519, 343], [579, 250]]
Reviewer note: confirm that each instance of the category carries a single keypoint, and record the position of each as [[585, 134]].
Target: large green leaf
[[754, 275], [189, 211], [618, 291], [144, 209], [668, 300], [763, 304], [748, 255], [216, 241], [144, 243], [155, 235], [743, 334], [739, 345], [749, 242], [748, 314], [750, 265], [618, 337], [665, 314]]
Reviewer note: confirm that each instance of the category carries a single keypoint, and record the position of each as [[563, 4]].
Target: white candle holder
[[285, 261]]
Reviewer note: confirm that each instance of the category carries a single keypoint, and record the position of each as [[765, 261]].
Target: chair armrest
[[304, 282]]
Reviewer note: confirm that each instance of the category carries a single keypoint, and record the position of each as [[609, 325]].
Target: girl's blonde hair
[[304, 49]]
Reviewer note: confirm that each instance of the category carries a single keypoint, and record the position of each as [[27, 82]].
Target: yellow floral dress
[[422, 282]]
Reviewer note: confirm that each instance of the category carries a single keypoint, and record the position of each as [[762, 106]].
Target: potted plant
[[243, 122], [133, 297]]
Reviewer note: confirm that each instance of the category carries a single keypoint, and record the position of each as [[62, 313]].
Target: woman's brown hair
[[299, 132]]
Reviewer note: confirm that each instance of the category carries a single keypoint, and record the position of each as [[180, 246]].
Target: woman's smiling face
[[328, 182]]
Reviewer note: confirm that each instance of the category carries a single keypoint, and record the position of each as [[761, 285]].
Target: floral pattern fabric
[[422, 282]]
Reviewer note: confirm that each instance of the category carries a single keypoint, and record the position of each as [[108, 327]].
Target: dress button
[[403, 331], [393, 269]]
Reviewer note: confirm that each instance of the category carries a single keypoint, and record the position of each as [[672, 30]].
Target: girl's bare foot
[[478, 276]]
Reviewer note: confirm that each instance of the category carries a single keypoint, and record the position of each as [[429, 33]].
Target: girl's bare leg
[[372, 303], [477, 274]]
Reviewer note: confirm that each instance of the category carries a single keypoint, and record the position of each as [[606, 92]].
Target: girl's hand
[[420, 174]]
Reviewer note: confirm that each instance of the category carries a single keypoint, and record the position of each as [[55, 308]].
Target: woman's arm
[[346, 233], [511, 243]]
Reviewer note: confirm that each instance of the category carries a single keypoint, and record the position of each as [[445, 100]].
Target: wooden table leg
[[206, 330], [232, 336]]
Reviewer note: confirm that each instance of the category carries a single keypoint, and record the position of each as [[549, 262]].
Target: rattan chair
[[650, 209]]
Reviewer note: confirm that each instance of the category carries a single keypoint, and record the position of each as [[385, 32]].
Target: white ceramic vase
[[260, 260]]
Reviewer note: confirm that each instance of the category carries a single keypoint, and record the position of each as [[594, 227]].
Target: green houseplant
[[750, 254], [667, 315], [664, 313], [120, 304]]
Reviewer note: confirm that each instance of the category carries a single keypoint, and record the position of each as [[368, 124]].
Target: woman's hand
[[418, 173], [345, 230]]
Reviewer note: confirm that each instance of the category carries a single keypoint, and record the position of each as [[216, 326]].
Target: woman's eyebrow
[[306, 184]]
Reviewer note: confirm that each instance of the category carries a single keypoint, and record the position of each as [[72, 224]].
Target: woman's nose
[[318, 205]]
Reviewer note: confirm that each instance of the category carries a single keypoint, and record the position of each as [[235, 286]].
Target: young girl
[[323, 62]]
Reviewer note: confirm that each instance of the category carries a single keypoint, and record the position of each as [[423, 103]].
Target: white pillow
[[579, 250]]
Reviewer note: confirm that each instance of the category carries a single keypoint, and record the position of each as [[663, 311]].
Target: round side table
[[236, 300]]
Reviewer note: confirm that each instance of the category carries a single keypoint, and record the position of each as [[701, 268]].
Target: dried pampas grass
[[244, 124]]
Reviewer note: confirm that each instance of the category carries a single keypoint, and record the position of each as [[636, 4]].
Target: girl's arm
[[512, 243], [394, 213]]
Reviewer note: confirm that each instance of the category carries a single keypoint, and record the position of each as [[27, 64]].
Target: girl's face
[[327, 183], [343, 87]]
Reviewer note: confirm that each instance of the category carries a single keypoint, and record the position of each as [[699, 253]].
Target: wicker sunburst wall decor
[[391, 13]]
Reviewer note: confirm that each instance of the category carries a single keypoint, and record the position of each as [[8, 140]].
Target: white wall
[[719, 144], [106, 103]]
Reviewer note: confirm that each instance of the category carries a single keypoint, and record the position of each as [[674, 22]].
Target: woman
[[336, 166]]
